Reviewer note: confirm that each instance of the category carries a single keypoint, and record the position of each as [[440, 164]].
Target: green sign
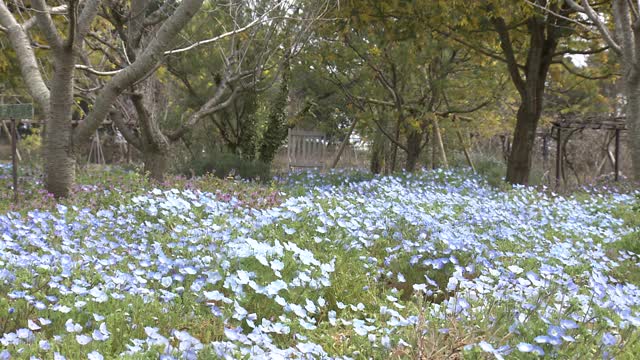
[[16, 111]]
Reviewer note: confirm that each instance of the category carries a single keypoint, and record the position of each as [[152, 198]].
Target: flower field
[[423, 266]]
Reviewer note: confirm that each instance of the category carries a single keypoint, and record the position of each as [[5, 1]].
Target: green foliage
[[276, 132], [225, 165], [492, 170], [31, 150]]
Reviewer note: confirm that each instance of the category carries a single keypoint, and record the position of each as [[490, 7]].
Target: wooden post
[[464, 146], [617, 155], [6, 129], [545, 150], [558, 157], [14, 158], [440, 144]]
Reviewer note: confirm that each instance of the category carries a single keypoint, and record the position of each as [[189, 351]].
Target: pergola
[[615, 124]]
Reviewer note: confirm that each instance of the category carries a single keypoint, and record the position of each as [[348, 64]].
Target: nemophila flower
[[44, 345], [70, 326], [83, 339], [544, 339], [94, 355], [101, 334], [32, 325], [24, 334], [609, 339]]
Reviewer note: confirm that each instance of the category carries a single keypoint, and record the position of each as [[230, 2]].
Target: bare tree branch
[[602, 27], [507, 49], [572, 71], [89, 12], [255, 22], [97, 72], [581, 52], [143, 65], [557, 14], [56, 10], [45, 23], [160, 14]]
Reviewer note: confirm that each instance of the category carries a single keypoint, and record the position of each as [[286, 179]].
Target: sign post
[[15, 112]]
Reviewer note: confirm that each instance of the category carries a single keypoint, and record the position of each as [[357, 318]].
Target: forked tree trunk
[[544, 35], [59, 170]]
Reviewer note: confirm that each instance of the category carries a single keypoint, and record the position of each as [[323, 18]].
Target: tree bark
[[59, 170], [632, 92], [394, 153], [414, 145], [543, 41], [377, 153], [155, 145], [155, 163], [520, 158]]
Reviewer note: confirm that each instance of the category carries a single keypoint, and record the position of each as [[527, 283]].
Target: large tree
[[529, 40], [66, 38]]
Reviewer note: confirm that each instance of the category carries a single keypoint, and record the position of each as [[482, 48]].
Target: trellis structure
[[615, 124]]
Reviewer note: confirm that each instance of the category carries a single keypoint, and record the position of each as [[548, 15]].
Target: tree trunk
[[59, 170], [377, 153], [394, 153], [632, 90], [524, 136], [414, 145], [155, 145], [155, 163], [544, 34]]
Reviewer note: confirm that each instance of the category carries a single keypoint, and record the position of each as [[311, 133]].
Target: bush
[[30, 148], [491, 169], [224, 165]]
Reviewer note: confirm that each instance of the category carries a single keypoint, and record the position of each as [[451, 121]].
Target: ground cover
[[347, 265]]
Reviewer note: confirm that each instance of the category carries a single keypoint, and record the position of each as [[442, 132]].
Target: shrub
[[30, 149], [224, 165], [491, 169]]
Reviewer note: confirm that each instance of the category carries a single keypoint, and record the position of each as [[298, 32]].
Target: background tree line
[[203, 78]]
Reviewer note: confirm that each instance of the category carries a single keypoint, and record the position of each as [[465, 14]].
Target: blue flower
[[609, 339], [94, 355]]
